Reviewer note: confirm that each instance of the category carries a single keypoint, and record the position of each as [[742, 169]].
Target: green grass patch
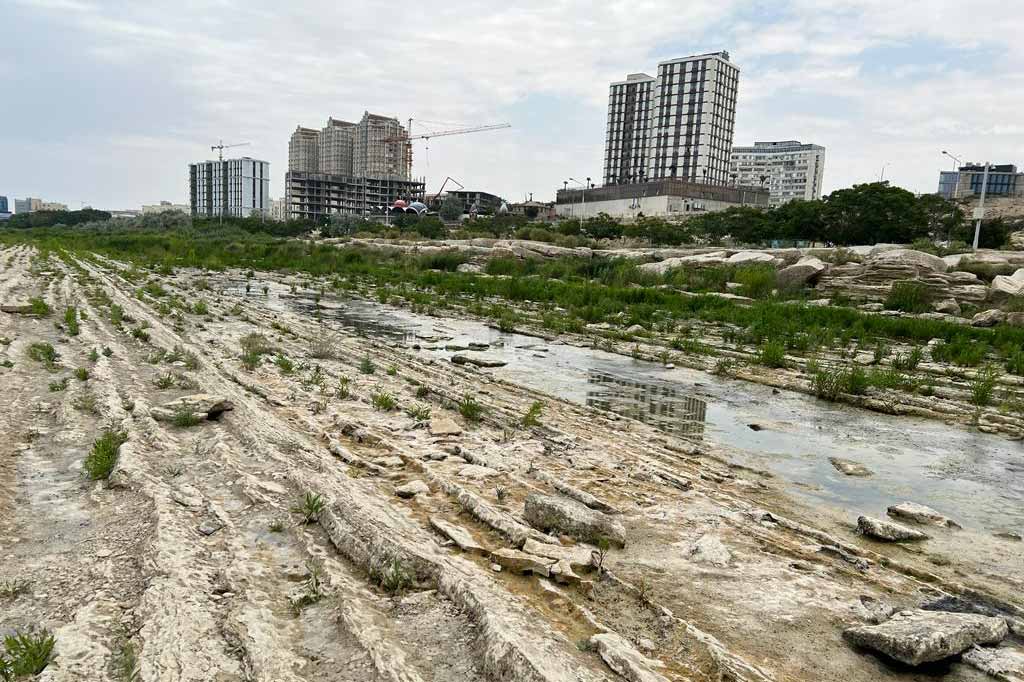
[[101, 459]]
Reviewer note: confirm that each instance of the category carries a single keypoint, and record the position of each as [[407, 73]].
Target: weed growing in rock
[[383, 401], [94, 355], [310, 507], [597, 556], [286, 366], [500, 493], [140, 334], [532, 416], [26, 653], [101, 459], [313, 588], [723, 366], [276, 526], [419, 413], [71, 321], [82, 374], [909, 297], [116, 314], [323, 349], [366, 365], [86, 402], [772, 354], [1015, 363], [392, 575], [201, 308], [164, 381], [343, 392], [45, 353], [422, 392], [983, 386], [12, 587], [38, 307], [908, 362], [470, 408], [185, 418], [57, 386]]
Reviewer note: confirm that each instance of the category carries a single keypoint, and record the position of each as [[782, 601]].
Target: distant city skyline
[[107, 103]]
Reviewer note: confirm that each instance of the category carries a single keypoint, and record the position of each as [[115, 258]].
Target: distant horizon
[[112, 117]]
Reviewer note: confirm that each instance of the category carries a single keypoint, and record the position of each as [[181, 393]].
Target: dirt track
[[722, 576]]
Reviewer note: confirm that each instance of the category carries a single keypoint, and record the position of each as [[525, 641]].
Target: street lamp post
[[980, 211], [956, 166], [881, 175], [583, 203]]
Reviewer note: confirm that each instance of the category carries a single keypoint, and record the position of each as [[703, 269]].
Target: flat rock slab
[[521, 562], [201, 405], [564, 516], [444, 426], [476, 472], [621, 657], [412, 489], [579, 558], [918, 513], [916, 636], [850, 467], [887, 531], [709, 550], [477, 361], [1000, 663], [459, 535]]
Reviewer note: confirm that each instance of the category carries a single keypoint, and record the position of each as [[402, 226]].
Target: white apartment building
[[232, 187], [678, 124], [787, 169], [163, 207]]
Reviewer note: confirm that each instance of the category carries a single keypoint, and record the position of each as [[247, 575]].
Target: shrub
[[201, 308], [140, 334], [284, 364], [185, 418], [983, 386], [757, 281], [57, 386], [82, 374], [27, 654], [855, 381], [772, 354], [1015, 363], [420, 413], [383, 401], [310, 507], [43, 352], [909, 297], [256, 343], [103, 456], [38, 307], [908, 362], [323, 349], [532, 416], [366, 365], [470, 409], [828, 384]]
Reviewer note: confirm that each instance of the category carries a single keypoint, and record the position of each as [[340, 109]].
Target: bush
[[758, 280], [43, 352], [103, 456], [26, 654], [772, 354], [983, 386], [909, 297], [71, 321], [470, 409]]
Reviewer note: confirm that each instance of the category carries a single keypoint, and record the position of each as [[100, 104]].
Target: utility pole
[[979, 212]]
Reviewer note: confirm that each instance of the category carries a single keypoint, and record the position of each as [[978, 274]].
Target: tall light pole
[[583, 203], [979, 212], [881, 174], [956, 167]]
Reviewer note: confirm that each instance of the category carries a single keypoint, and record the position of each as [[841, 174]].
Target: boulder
[[1007, 286], [1016, 241], [804, 271], [1000, 663], [521, 562], [635, 329], [909, 257], [201, 405], [565, 516], [578, 558], [710, 550], [412, 489], [915, 636], [697, 260], [478, 361], [849, 467], [561, 572], [918, 513], [620, 656], [749, 257], [988, 318], [444, 426], [887, 531], [469, 267], [948, 306], [457, 534], [476, 472]]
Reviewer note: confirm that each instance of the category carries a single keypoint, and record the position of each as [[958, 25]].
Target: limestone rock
[[1000, 663], [849, 467], [469, 267], [988, 318], [948, 306], [444, 426], [564, 516], [392, 461], [412, 489], [635, 329], [521, 562], [1017, 241], [748, 257], [887, 531], [477, 472], [918, 513], [621, 657], [210, 526], [561, 572], [459, 535], [917, 259], [201, 405], [579, 558], [915, 636], [1007, 286], [804, 271], [477, 361], [710, 550], [873, 610]]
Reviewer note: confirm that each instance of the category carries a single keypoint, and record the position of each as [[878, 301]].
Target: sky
[[105, 102]]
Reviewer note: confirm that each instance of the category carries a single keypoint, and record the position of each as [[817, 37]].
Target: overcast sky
[[105, 102]]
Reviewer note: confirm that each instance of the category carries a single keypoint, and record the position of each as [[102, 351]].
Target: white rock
[[919, 259], [887, 531], [708, 549], [444, 426], [457, 534], [1004, 286], [988, 318], [621, 657], [917, 636], [412, 489], [476, 472], [919, 513]]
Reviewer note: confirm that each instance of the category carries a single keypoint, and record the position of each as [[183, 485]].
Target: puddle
[[975, 478]]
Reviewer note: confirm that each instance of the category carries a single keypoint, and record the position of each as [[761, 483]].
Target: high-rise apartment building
[[304, 150], [232, 187], [678, 124], [788, 169], [27, 205], [3, 204], [361, 167]]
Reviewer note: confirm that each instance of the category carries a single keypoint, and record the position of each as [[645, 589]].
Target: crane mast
[[409, 137]]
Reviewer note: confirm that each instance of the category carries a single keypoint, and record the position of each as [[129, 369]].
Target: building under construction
[[349, 168]]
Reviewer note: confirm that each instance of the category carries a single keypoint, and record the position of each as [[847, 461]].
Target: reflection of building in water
[[659, 404]]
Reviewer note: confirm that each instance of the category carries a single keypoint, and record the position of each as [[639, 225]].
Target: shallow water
[[975, 478]]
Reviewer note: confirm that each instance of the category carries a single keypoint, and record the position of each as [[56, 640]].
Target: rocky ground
[[296, 514]]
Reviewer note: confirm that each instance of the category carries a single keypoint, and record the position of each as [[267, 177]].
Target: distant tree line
[[50, 218]]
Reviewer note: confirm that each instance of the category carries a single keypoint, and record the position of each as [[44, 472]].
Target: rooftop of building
[[722, 55], [778, 146], [971, 167], [666, 186]]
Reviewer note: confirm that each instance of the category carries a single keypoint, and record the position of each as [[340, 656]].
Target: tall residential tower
[[232, 187], [678, 124], [788, 169]]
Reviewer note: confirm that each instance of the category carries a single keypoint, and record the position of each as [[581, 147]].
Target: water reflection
[[661, 405]]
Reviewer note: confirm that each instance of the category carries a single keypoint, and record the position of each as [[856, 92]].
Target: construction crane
[[220, 147], [437, 197], [409, 137]]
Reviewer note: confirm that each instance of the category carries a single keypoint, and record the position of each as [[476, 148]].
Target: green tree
[[872, 213], [451, 208], [944, 217]]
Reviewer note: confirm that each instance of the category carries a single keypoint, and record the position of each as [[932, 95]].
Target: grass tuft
[[310, 507], [101, 460], [383, 401], [470, 408], [26, 654], [532, 416]]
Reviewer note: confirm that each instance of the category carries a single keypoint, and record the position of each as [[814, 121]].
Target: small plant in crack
[[313, 589], [419, 413], [185, 418], [422, 392], [366, 365], [57, 386], [285, 365], [87, 402], [323, 349], [94, 356], [532, 416], [26, 654], [393, 576], [383, 401], [45, 353], [500, 493], [38, 307], [71, 321], [276, 526], [101, 459], [82, 374], [392, 370], [173, 470], [12, 587], [597, 556], [470, 408], [164, 381], [310, 507], [343, 392], [643, 591]]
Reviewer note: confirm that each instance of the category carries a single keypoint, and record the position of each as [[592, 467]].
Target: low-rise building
[[476, 202], [163, 207], [1003, 181], [27, 205], [278, 210], [539, 210], [674, 199], [789, 169], [52, 206], [316, 196], [232, 187]]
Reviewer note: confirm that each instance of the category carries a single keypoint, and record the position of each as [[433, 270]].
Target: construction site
[[356, 168]]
